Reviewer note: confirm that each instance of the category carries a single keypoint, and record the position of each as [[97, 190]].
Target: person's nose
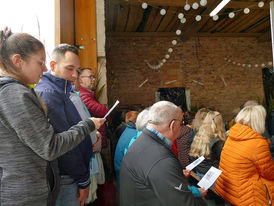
[[75, 74]]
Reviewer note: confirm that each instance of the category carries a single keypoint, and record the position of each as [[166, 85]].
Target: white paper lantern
[[180, 15], [198, 18], [231, 15], [161, 64], [261, 4], [243, 65], [256, 65], [187, 7], [249, 65], [164, 60], [174, 42], [263, 65], [239, 64], [170, 50], [215, 17], [183, 20], [269, 63], [178, 32], [167, 56], [203, 2], [144, 5], [229, 60], [195, 6], [246, 10], [233, 62], [163, 12]]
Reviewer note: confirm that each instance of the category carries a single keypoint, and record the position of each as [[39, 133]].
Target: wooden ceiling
[[126, 17]]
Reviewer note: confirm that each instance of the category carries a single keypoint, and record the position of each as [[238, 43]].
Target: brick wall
[[200, 60]]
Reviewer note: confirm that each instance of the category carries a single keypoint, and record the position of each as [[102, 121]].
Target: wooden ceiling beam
[[172, 34], [181, 3]]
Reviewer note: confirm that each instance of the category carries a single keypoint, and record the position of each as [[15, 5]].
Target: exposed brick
[[199, 60]]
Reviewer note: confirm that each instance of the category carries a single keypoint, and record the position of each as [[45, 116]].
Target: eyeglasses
[[90, 76], [181, 121]]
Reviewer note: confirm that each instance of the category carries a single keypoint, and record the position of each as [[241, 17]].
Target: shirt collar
[[166, 141]]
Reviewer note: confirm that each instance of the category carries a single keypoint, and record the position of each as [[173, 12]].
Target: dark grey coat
[[27, 143]]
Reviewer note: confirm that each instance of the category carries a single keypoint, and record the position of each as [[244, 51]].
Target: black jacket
[[151, 175]]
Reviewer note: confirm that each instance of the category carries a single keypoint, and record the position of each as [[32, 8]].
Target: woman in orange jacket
[[246, 162]]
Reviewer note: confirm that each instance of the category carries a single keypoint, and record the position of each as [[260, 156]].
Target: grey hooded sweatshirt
[[27, 144]]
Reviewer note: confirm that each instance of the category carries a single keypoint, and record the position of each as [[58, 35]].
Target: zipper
[[270, 202], [66, 83]]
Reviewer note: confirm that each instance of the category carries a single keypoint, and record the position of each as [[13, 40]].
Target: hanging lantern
[[180, 15], [183, 20], [178, 32], [174, 42], [170, 50], [231, 15], [261, 4], [215, 17], [195, 6]]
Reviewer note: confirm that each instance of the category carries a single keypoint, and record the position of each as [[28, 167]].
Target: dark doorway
[[175, 95]]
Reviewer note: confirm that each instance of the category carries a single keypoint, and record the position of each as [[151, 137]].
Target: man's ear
[[172, 125], [16, 60], [52, 65]]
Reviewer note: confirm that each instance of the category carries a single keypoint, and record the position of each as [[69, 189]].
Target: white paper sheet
[[195, 163], [116, 103], [210, 177]]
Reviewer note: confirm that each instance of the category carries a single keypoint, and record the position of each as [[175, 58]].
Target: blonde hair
[[199, 118], [254, 117], [212, 127]]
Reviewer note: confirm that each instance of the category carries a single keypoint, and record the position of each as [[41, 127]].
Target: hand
[[203, 192], [83, 195], [98, 122], [96, 147], [186, 173]]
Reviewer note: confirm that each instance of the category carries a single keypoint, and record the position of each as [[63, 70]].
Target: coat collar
[[61, 83]]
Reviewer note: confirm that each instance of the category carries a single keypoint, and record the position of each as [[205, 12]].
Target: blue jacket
[[62, 113], [123, 142]]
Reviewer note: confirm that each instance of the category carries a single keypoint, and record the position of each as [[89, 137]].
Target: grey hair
[[162, 112], [142, 119]]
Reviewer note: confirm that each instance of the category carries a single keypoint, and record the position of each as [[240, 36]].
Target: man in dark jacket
[[151, 174], [54, 89]]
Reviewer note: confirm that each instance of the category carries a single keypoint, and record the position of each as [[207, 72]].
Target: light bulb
[[163, 12], [261, 4], [246, 10], [183, 20], [198, 18], [203, 2], [174, 42], [180, 15], [178, 32], [187, 7], [231, 15], [144, 5], [195, 6], [215, 17]]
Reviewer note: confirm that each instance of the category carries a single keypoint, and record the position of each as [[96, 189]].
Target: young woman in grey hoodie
[[28, 145]]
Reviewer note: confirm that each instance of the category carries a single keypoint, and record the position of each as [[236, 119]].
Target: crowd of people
[[53, 139]]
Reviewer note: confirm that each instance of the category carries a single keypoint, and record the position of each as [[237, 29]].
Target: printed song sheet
[[116, 103], [210, 177], [195, 163]]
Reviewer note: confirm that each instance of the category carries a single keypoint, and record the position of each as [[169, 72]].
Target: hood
[[242, 132], [6, 80]]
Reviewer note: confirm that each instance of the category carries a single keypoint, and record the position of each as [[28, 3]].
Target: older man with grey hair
[[151, 174]]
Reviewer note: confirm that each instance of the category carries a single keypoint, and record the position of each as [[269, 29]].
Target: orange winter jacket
[[248, 169]]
